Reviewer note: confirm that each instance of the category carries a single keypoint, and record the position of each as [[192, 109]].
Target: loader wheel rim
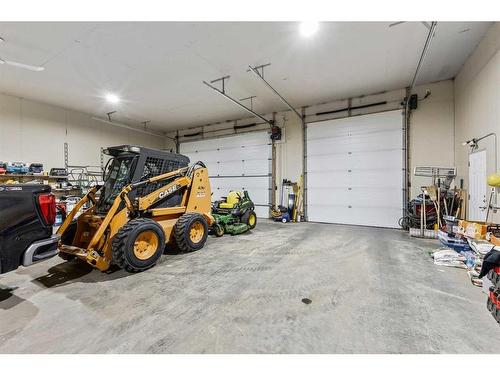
[[145, 245], [251, 220], [196, 232]]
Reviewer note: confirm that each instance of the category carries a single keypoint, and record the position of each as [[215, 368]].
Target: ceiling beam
[[237, 102], [261, 76]]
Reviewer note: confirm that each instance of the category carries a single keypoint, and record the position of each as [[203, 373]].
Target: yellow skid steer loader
[[150, 198]]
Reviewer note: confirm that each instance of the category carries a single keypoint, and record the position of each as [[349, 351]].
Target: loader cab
[[132, 164]]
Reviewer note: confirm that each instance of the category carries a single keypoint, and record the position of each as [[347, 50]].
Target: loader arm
[[196, 196], [90, 196]]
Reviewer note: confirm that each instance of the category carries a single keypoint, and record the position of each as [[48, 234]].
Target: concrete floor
[[372, 291]]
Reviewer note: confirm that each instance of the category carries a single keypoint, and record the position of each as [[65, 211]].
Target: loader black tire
[[138, 245], [250, 219], [184, 228]]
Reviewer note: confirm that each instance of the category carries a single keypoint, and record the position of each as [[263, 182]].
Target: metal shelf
[[33, 176]]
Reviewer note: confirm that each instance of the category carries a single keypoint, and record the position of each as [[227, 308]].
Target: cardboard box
[[476, 230]]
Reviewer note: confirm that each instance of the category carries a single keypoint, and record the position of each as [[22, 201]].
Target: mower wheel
[[138, 245], [190, 232], [218, 230], [250, 219]]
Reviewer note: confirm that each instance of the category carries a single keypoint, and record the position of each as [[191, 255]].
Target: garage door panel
[[222, 186], [322, 146], [199, 146], [256, 167], [376, 217], [374, 126], [246, 183], [240, 168], [332, 162], [230, 168], [331, 179], [246, 140], [238, 162], [379, 142], [256, 151], [324, 130], [206, 156], [373, 178], [323, 213], [380, 217], [375, 197], [328, 161], [355, 143], [376, 159], [365, 124], [242, 153], [331, 197], [354, 170]]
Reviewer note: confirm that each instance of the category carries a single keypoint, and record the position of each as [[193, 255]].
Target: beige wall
[[36, 132], [432, 132], [289, 151], [477, 102]]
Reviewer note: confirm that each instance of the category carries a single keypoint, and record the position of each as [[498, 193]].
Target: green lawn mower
[[233, 214]]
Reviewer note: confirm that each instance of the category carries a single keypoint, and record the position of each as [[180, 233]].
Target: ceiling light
[[308, 28], [112, 98]]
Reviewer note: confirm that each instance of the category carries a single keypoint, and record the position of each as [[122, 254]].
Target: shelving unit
[[23, 178], [80, 178], [48, 180]]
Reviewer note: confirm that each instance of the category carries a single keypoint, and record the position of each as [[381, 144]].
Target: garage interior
[[368, 151]]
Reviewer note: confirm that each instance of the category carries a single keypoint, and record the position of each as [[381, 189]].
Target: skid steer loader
[[150, 198]]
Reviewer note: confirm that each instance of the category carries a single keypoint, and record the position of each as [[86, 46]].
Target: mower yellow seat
[[232, 199]]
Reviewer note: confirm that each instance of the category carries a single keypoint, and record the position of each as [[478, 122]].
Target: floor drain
[[307, 301]]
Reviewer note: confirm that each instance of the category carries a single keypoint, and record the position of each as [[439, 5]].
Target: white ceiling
[[157, 68]]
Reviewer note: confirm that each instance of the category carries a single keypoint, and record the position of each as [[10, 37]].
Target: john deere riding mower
[[150, 198], [233, 214]]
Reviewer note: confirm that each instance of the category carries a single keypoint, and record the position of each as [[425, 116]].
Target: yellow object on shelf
[[494, 180]]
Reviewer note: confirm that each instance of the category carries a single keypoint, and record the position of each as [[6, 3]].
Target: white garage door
[[355, 170], [241, 162]]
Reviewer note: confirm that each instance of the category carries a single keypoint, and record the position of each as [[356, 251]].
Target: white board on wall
[[355, 170], [239, 162]]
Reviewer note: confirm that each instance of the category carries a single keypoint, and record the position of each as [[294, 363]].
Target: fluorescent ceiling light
[[308, 28], [112, 98]]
